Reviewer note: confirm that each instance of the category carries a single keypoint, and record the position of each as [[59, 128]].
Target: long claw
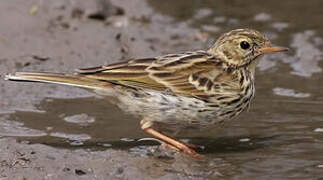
[[192, 146], [188, 150]]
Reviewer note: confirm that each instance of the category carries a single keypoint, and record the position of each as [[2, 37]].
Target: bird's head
[[242, 47]]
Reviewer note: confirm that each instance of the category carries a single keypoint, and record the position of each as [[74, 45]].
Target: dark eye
[[244, 45]]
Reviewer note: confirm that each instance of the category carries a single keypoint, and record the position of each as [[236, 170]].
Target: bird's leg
[[147, 127], [192, 146]]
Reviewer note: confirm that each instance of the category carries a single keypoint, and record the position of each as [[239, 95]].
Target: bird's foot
[[171, 142], [186, 148]]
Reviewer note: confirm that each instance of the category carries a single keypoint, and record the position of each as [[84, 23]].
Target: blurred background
[[280, 137]]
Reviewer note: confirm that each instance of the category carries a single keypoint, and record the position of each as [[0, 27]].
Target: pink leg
[[182, 147]]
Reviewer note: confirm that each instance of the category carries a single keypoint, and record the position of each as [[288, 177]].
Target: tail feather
[[64, 79]]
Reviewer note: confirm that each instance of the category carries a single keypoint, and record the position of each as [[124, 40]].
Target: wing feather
[[191, 73]]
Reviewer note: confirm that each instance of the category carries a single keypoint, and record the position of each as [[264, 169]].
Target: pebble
[[244, 140], [280, 26], [80, 119], [290, 92], [318, 130], [262, 17], [127, 139]]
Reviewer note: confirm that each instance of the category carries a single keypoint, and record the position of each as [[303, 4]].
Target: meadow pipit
[[176, 92]]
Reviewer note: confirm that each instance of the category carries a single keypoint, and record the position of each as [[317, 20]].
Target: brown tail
[[64, 79]]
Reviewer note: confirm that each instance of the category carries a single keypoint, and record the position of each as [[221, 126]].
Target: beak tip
[[285, 49], [274, 49]]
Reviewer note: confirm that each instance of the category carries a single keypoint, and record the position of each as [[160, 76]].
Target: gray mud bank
[[57, 132]]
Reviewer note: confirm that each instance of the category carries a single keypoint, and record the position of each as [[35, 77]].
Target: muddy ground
[[61, 36], [57, 132]]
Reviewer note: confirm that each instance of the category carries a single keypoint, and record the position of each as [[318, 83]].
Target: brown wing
[[191, 73], [174, 71], [129, 73]]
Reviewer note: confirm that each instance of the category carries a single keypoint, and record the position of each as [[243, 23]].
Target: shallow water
[[280, 137]]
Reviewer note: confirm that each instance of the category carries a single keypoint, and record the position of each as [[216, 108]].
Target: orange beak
[[270, 49]]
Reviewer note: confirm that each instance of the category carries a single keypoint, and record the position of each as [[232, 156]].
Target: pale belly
[[170, 112]]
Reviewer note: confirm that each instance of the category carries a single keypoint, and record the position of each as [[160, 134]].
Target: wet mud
[[57, 132]]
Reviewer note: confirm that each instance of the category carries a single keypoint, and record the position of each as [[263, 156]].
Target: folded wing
[[190, 73]]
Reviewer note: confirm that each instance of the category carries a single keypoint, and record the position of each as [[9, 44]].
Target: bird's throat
[[252, 66]]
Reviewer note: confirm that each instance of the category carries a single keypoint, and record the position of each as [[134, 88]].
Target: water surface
[[280, 137]]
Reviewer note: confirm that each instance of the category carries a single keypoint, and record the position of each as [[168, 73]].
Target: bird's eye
[[244, 45]]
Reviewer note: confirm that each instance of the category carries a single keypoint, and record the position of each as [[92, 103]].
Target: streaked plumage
[[177, 91]]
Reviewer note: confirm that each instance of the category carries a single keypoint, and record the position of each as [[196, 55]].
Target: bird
[[173, 93]]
